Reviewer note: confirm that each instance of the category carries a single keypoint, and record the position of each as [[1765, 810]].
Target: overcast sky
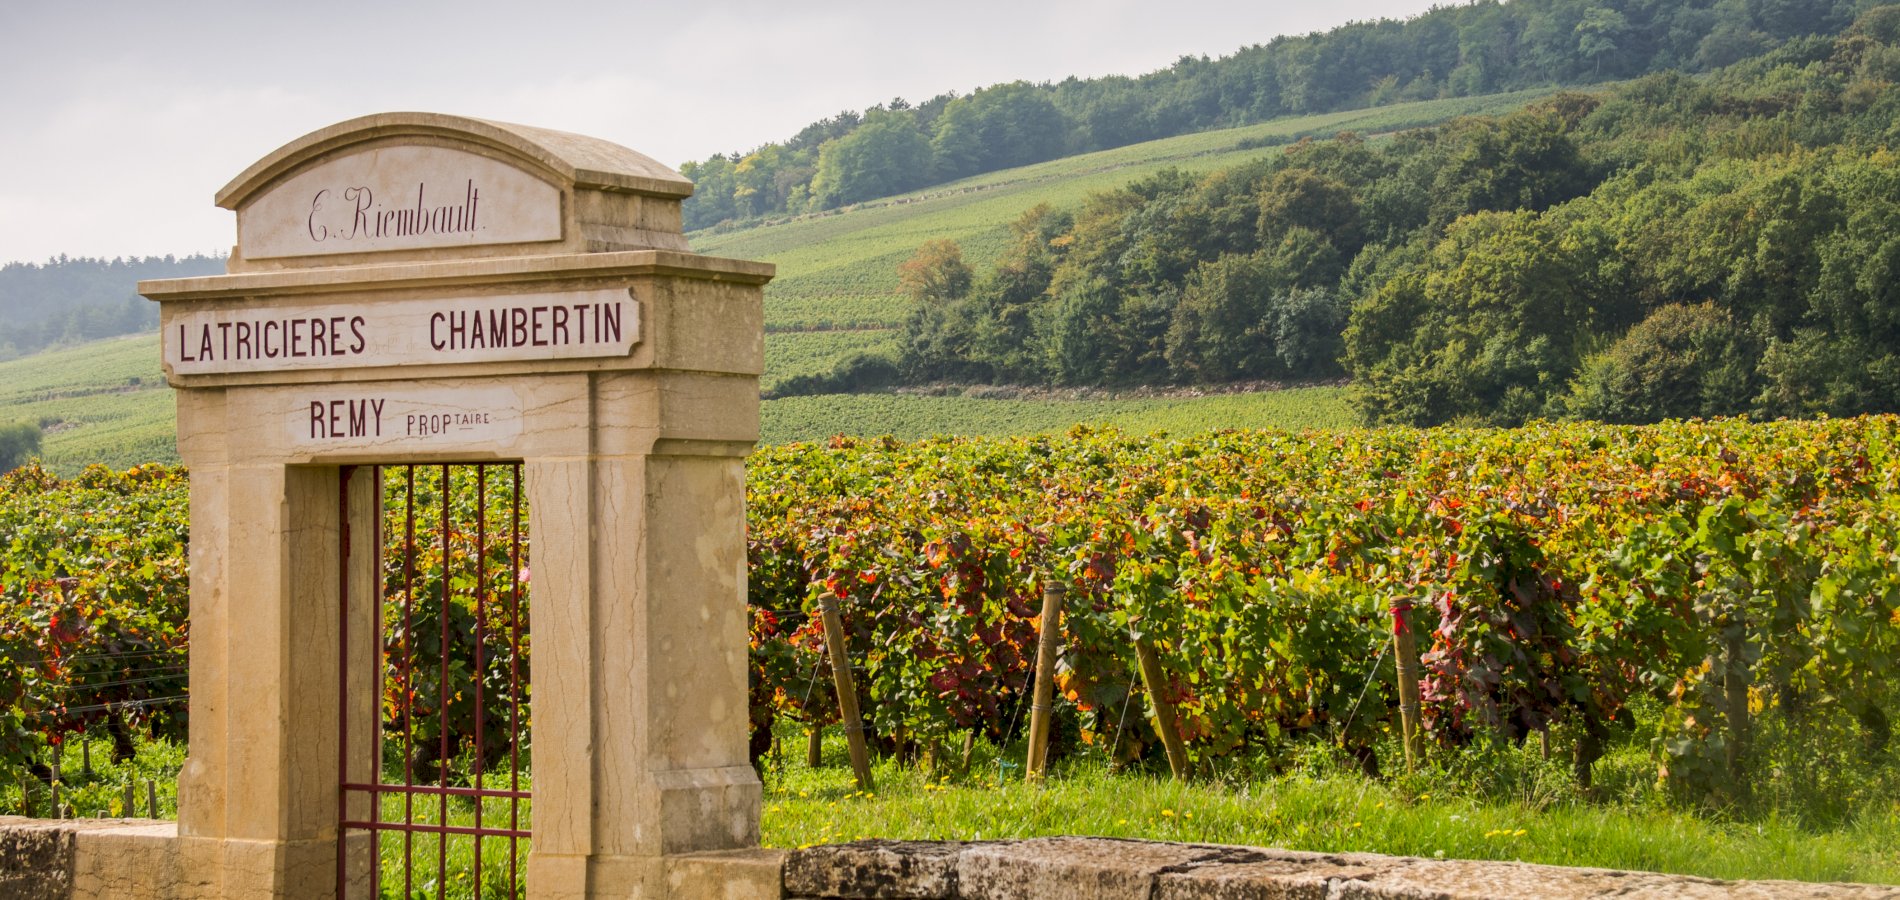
[[123, 118]]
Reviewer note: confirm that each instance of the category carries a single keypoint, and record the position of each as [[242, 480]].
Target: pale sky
[[123, 118]]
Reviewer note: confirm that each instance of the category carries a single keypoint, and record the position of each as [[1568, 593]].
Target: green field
[[836, 294], [1505, 808], [912, 417]]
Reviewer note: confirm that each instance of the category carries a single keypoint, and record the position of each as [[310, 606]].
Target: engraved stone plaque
[[397, 418], [399, 198], [529, 326]]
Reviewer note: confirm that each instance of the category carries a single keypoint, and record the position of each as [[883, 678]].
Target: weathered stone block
[[1068, 868], [919, 870], [1457, 879], [36, 859], [726, 875], [1249, 873]]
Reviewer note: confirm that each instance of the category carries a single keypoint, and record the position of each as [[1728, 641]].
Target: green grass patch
[[418, 864], [1319, 806], [910, 417], [98, 791]]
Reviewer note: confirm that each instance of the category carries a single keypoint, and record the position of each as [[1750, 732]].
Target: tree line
[[70, 300], [1675, 247], [1452, 51]]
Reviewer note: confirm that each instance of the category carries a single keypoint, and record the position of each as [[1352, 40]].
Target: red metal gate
[[435, 801]]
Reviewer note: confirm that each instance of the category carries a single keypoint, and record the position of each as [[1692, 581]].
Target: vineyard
[[1726, 594], [93, 597], [1725, 591], [794, 353], [101, 401]]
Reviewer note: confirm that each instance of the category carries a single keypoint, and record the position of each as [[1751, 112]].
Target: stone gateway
[[420, 288]]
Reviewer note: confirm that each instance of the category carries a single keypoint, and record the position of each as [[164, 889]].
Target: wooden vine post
[[1405, 651], [847, 691], [1040, 710], [1153, 681], [1735, 697]]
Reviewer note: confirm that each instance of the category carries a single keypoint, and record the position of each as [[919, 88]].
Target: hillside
[[836, 294], [104, 401], [837, 288], [1672, 247], [68, 300], [1452, 50]]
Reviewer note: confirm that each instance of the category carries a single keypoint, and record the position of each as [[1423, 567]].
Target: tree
[[937, 333], [995, 128], [884, 156], [19, 443], [713, 187], [1221, 329], [1600, 36], [1303, 198], [936, 273], [1004, 305], [1525, 160], [1682, 361], [1484, 329], [1306, 327]]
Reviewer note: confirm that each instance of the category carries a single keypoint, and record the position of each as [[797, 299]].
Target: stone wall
[[96, 859], [1105, 869], [105, 859], [36, 859]]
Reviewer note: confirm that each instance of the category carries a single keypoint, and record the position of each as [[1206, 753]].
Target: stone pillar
[[647, 690], [257, 795]]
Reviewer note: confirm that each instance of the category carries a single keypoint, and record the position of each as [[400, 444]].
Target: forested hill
[[1674, 247], [68, 300], [1484, 47]]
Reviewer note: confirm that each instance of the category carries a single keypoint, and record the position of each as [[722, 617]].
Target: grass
[[1317, 805], [100, 794], [909, 417], [420, 861], [1517, 807], [100, 791], [1499, 804]]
